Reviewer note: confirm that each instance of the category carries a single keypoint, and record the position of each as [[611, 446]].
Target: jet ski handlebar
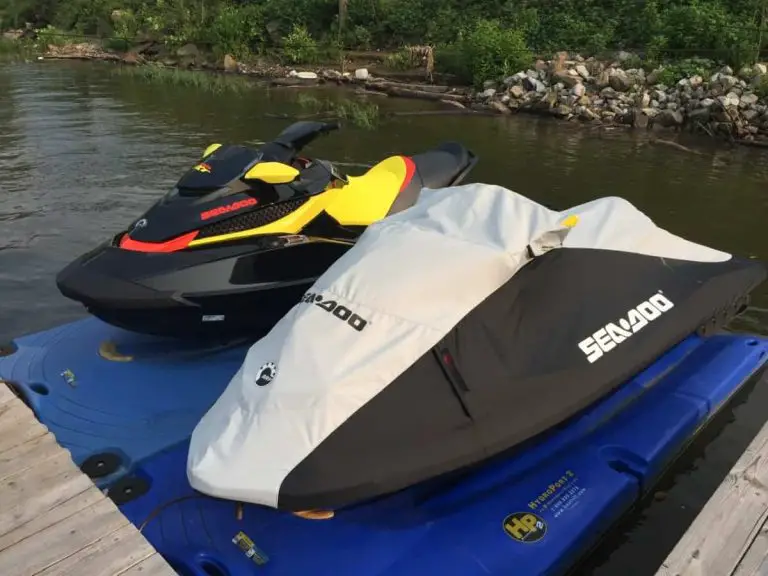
[[300, 134]]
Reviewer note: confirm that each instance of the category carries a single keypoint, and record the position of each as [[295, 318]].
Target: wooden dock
[[53, 520], [729, 537]]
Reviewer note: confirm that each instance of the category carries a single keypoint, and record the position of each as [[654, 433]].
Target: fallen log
[[422, 87], [418, 94], [451, 112], [671, 144], [295, 82], [99, 57], [752, 143]]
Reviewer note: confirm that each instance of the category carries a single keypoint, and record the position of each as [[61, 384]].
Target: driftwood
[[424, 54], [366, 92], [451, 112], [753, 143], [423, 87], [295, 82], [672, 144], [394, 90], [99, 57]]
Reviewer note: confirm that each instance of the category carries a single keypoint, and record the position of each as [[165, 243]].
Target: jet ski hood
[[450, 333]]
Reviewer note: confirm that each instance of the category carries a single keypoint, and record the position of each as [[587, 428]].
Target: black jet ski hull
[[218, 293]]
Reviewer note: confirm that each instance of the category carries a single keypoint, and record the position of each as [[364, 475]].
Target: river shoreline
[[726, 106]]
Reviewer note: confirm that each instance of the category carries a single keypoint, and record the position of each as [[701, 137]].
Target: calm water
[[83, 152]]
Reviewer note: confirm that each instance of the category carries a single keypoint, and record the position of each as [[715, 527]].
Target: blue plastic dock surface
[[116, 412], [533, 513]]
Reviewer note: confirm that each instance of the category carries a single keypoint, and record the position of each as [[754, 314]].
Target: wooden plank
[[755, 561], [54, 516], [28, 455], [153, 566], [726, 527], [31, 493], [110, 555], [57, 542], [53, 520], [17, 425], [6, 394]]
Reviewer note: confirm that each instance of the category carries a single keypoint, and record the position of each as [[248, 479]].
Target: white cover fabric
[[412, 276]]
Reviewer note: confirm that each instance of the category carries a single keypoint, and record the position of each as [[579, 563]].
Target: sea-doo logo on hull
[[341, 312], [614, 333], [266, 374], [227, 208]]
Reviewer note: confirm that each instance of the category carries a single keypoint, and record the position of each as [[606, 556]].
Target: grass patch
[[52, 36], [216, 83], [361, 114], [13, 50], [761, 87], [399, 60]]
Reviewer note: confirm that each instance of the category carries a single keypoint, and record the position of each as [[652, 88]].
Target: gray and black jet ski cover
[[450, 333]]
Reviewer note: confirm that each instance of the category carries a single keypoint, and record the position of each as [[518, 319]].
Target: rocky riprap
[[589, 90], [724, 104]]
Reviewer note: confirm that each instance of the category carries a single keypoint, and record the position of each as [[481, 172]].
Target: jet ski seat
[[394, 184], [366, 198], [439, 167]]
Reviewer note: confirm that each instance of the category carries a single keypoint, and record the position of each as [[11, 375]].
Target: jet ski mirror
[[272, 173], [210, 150]]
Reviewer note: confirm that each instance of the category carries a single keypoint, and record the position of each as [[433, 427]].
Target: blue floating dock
[[111, 414], [535, 512]]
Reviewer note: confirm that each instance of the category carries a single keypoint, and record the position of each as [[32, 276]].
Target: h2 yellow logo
[[525, 527]]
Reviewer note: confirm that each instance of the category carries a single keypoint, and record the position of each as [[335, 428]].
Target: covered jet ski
[[244, 233], [453, 332]]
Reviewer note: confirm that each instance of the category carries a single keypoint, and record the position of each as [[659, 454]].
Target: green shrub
[[685, 69], [475, 38], [761, 86], [400, 60], [487, 51], [406, 21], [299, 47], [237, 30], [709, 28]]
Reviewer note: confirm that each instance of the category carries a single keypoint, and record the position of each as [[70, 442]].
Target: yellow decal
[[108, 351], [210, 150], [554, 488], [571, 221], [203, 167], [525, 527], [272, 173], [290, 224], [362, 202]]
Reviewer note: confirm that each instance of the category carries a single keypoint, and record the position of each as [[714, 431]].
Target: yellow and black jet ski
[[235, 244]]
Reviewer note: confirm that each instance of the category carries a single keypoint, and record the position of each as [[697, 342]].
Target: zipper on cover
[[451, 371]]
